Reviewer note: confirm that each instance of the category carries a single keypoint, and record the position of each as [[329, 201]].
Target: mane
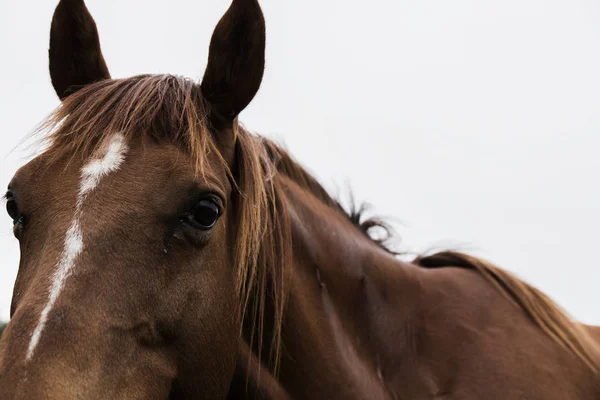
[[545, 313], [373, 228], [170, 108]]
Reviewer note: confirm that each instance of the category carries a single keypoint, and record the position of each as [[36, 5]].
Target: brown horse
[[166, 252]]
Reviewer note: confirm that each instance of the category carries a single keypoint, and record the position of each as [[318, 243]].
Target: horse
[[167, 252]]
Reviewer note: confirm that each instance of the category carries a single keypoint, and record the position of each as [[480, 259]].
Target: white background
[[476, 125]]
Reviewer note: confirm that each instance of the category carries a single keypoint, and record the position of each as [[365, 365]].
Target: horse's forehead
[[143, 162], [167, 166]]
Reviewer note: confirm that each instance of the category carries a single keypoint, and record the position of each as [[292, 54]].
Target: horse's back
[[492, 349], [594, 332]]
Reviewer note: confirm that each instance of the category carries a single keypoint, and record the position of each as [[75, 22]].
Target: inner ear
[[236, 61], [75, 56]]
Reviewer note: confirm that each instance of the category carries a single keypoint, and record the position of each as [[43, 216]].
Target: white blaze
[[91, 175]]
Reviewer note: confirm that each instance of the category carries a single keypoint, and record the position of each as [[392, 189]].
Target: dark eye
[[11, 207], [204, 215]]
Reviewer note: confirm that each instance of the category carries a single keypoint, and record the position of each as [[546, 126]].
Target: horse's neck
[[349, 307], [360, 324]]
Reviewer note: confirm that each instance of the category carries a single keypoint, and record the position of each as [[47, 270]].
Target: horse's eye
[[11, 207], [204, 215]]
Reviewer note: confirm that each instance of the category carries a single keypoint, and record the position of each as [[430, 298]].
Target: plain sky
[[473, 124]]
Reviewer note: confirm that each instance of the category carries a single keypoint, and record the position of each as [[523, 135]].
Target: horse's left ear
[[75, 56], [236, 61]]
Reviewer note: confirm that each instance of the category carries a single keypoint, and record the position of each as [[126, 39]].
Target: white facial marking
[[91, 175]]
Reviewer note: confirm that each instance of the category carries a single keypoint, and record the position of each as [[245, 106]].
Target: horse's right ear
[[236, 60], [75, 56]]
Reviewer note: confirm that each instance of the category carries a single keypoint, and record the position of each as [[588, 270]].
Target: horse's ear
[[236, 60], [75, 56]]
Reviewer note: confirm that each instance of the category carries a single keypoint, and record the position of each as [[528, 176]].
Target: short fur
[[151, 103], [286, 296]]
